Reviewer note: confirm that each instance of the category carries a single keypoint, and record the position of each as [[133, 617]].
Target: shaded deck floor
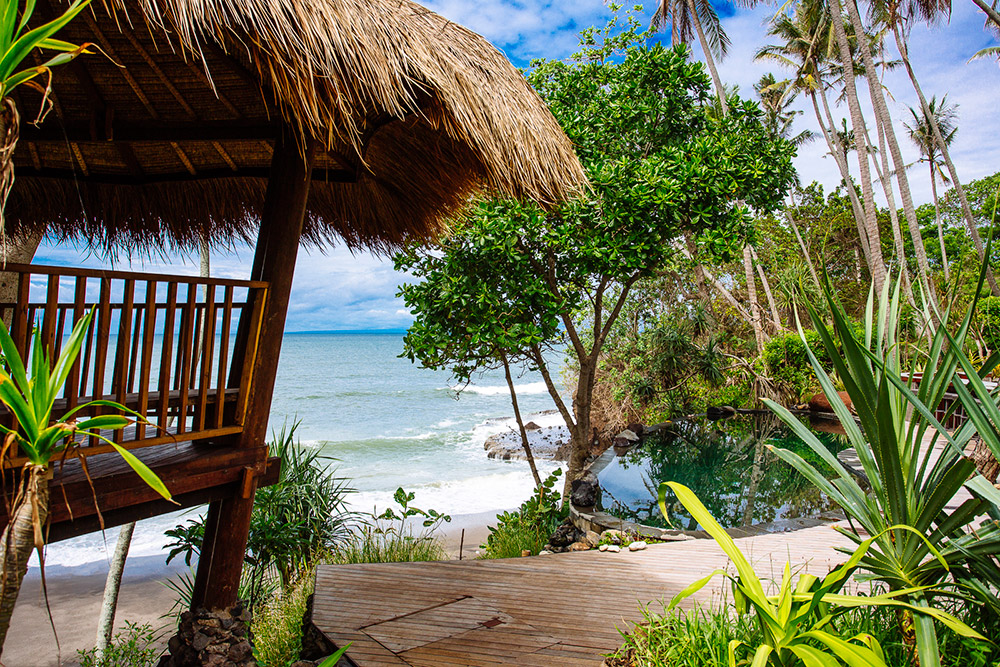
[[563, 609]]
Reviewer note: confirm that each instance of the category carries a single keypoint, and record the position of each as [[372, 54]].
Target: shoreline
[[76, 592]]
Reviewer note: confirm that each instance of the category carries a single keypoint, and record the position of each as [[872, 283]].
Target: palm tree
[[945, 116], [898, 16]]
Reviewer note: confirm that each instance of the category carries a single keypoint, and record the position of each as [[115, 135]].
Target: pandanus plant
[[30, 394], [924, 541]]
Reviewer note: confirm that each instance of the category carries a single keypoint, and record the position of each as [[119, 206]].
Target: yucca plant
[[30, 395], [17, 42], [797, 624], [914, 467]]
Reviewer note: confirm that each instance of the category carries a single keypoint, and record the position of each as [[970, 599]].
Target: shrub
[[134, 645], [787, 363], [988, 315], [527, 528]]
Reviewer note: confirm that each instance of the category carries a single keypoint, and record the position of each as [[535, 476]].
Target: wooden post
[[282, 217]]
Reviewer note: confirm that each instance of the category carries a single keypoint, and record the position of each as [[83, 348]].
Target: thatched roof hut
[[168, 135]]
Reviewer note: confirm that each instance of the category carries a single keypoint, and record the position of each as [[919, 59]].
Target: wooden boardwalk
[[562, 609]]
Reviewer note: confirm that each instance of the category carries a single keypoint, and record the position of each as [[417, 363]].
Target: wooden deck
[[562, 609]]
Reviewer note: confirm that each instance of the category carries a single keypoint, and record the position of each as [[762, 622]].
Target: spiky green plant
[[30, 394], [914, 466]]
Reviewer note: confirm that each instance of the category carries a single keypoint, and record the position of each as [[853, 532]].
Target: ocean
[[385, 423]]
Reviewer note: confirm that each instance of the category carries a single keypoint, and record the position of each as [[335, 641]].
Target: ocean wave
[[497, 390]]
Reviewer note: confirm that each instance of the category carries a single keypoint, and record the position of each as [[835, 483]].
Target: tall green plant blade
[[140, 468]]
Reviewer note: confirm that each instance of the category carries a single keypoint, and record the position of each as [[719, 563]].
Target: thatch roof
[[171, 134]]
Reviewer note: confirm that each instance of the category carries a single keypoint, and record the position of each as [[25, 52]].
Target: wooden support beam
[[145, 178], [282, 218]]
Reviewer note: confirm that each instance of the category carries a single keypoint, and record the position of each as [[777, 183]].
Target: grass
[[700, 638], [277, 624], [393, 545]]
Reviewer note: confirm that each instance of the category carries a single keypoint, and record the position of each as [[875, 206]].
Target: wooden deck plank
[[563, 609]]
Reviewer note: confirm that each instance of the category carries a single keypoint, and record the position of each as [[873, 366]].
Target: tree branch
[[556, 398]]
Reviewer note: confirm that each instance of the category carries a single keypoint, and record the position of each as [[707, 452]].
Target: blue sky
[[336, 289]]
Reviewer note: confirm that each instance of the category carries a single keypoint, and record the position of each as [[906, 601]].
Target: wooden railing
[[164, 346]]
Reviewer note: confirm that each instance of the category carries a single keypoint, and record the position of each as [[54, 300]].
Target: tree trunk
[[839, 154], [890, 198], [699, 271], [858, 123], [775, 318], [106, 622], [940, 226], [520, 422], [970, 220], [709, 60], [23, 534], [802, 244], [883, 117], [758, 330], [581, 437]]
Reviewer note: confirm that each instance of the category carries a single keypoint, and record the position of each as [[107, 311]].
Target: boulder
[[531, 426], [585, 491], [820, 403], [613, 536], [720, 412], [626, 438], [565, 535], [579, 546], [591, 538], [637, 428]]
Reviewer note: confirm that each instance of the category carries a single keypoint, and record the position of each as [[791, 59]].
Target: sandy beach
[[75, 598]]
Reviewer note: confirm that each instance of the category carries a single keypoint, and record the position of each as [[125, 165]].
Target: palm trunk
[[883, 116], [890, 198], [858, 123], [112, 586], [758, 330], [23, 534], [839, 154], [520, 422], [709, 60], [802, 244], [990, 12], [940, 226], [970, 220], [699, 271]]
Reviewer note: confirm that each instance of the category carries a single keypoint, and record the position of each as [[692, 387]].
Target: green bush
[[134, 645], [527, 528], [787, 364], [988, 315]]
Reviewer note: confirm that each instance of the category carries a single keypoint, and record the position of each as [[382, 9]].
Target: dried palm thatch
[[169, 137]]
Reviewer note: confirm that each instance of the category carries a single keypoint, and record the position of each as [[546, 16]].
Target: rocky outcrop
[[585, 491], [549, 443]]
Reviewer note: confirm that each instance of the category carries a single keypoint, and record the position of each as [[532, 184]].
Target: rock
[[637, 546], [720, 412], [591, 538], [532, 426], [525, 553], [579, 546], [636, 428], [200, 641], [626, 438], [303, 663], [613, 536], [545, 552], [565, 535], [613, 548], [603, 547], [547, 443], [585, 491], [211, 639]]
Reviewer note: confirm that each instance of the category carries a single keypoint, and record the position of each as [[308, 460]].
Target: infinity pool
[[728, 465]]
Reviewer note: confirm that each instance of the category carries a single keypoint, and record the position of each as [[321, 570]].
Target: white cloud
[[341, 290]]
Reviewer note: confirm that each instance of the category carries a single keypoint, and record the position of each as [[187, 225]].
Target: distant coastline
[[359, 332]]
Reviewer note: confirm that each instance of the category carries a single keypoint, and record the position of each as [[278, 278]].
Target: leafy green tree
[[660, 165]]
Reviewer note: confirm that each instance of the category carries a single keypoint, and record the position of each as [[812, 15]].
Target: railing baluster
[[19, 324], [49, 316], [124, 344], [147, 358], [255, 301], [140, 314], [60, 331], [73, 385], [101, 345], [185, 351], [227, 317], [166, 354], [208, 346]]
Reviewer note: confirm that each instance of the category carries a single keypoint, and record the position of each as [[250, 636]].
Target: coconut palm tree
[[922, 134], [689, 17], [898, 17]]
